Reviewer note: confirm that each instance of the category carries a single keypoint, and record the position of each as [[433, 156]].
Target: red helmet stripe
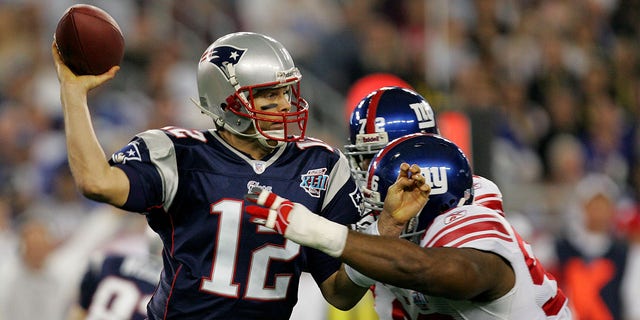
[[372, 112]]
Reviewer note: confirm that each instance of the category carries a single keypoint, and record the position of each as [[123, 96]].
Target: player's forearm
[[91, 171], [445, 272], [341, 292], [386, 259]]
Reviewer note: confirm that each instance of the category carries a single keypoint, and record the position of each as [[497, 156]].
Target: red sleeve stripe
[[553, 306], [485, 235], [460, 223], [491, 203], [479, 197], [475, 227]]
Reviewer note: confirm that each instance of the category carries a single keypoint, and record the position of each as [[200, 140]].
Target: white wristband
[[358, 278], [312, 230]]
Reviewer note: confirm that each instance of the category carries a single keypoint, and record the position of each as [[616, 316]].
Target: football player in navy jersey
[[118, 286], [190, 185]]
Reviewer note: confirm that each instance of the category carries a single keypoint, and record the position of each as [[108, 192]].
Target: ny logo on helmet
[[424, 114], [436, 177], [222, 56]]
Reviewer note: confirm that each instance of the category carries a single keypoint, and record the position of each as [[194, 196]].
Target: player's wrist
[[388, 226], [315, 231]]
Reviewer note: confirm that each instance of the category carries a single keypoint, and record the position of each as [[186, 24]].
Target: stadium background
[[550, 89]]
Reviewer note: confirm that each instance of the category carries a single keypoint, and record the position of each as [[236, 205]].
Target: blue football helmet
[[382, 116], [444, 166]]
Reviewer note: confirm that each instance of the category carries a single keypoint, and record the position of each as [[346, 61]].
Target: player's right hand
[[67, 78]]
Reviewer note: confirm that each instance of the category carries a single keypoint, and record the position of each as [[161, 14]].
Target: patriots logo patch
[[356, 198], [221, 56], [129, 152]]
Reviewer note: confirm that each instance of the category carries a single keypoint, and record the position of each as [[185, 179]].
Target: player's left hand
[[295, 222], [405, 198]]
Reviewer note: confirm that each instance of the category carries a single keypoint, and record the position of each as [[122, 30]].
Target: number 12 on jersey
[[222, 279]]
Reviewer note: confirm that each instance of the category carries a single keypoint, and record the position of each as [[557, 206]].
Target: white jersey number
[[222, 278], [117, 298]]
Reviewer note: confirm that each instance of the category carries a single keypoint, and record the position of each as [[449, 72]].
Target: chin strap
[[265, 142]]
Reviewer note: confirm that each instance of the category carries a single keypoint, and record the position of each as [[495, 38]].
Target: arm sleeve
[[149, 163], [144, 192], [341, 206]]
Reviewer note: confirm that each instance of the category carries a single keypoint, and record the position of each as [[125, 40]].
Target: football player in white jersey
[[470, 262], [386, 114]]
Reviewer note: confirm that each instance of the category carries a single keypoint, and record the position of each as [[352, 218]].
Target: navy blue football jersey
[[118, 287], [218, 264]]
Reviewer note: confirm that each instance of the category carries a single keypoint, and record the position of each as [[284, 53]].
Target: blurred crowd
[[552, 89]]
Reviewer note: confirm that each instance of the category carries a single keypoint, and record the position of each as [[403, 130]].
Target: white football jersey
[[535, 293], [486, 193]]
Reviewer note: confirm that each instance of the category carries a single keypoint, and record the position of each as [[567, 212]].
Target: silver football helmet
[[233, 69]]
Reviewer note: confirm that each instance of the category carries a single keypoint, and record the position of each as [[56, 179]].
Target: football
[[89, 40]]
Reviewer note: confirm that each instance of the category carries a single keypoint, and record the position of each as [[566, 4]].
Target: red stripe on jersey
[[484, 229], [173, 285], [553, 306], [536, 270], [490, 201], [483, 235], [397, 311], [173, 236], [486, 195], [457, 233]]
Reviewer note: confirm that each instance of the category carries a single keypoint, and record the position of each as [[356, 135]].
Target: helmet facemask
[[362, 151], [294, 121]]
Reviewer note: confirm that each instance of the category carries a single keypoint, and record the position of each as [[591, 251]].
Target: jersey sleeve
[[473, 227], [149, 163], [342, 205], [487, 194]]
